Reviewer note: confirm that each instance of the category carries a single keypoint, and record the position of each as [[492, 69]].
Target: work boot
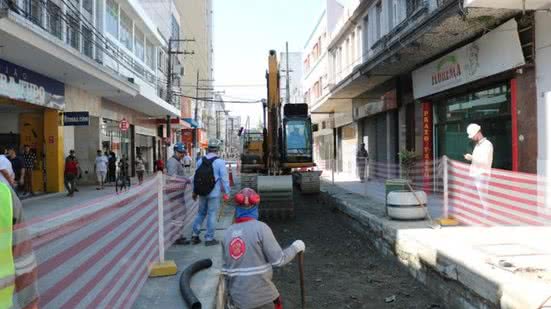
[[195, 240], [182, 241], [212, 242]]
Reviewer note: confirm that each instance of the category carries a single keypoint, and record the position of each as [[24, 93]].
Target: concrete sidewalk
[[468, 267], [164, 292]]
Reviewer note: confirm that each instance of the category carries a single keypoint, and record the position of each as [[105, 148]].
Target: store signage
[[427, 144], [495, 52], [187, 136], [386, 103], [21, 84], [124, 125], [145, 131], [76, 118]]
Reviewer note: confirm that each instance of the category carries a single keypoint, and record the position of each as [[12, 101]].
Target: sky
[[244, 32]]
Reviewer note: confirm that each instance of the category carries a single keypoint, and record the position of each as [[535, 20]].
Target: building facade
[[83, 75], [414, 74]]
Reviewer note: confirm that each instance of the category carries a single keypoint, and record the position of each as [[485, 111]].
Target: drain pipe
[[185, 284]]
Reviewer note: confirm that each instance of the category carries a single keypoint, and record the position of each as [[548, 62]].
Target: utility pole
[[287, 94], [196, 135], [170, 73]]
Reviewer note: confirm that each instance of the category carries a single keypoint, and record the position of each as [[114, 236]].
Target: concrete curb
[[462, 281]]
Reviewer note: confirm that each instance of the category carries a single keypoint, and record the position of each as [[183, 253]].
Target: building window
[[87, 42], [88, 6], [34, 11], [139, 48], [161, 61], [73, 33], [366, 33], [125, 36], [54, 20], [378, 20], [112, 18], [149, 55]]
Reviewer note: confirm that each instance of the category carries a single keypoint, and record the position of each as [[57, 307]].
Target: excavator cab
[[297, 146]]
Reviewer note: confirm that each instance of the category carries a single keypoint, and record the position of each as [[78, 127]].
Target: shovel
[[301, 272]]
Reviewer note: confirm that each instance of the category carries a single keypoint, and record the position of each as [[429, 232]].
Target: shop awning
[[192, 122]]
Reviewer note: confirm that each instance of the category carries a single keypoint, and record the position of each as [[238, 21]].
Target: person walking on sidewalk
[[210, 175], [140, 168], [112, 168], [100, 167], [19, 268], [71, 173], [187, 163], [7, 175], [481, 163], [174, 168], [29, 159], [18, 167], [249, 251], [362, 158]]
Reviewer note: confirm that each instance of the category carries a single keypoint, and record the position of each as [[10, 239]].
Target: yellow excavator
[[287, 152]]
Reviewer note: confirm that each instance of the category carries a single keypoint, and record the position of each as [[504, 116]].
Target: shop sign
[[76, 118], [187, 136], [21, 84], [427, 144], [386, 103], [495, 52], [145, 131], [124, 125]]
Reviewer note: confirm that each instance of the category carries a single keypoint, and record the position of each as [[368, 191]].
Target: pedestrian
[[187, 163], [249, 251], [18, 260], [481, 163], [140, 168], [362, 158], [112, 172], [7, 175], [18, 167], [71, 173], [29, 158], [210, 175], [100, 167], [174, 168], [197, 158], [160, 165]]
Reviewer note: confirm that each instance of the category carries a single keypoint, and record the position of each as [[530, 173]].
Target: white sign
[[495, 52], [145, 131]]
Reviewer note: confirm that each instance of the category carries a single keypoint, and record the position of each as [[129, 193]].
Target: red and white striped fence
[[503, 198], [97, 255]]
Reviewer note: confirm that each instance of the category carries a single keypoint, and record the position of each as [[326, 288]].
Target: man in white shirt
[[101, 169], [7, 175], [481, 163]]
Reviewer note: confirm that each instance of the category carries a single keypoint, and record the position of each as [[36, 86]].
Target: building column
[[53, 134]]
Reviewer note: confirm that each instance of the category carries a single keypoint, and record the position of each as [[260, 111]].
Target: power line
[[222, 101]]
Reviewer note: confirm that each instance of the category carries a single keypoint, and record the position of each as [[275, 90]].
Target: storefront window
[[490, 108]]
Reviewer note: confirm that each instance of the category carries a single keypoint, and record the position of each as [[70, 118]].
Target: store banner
[[18, 83], [76, 118], [493, 53], [427, 144]]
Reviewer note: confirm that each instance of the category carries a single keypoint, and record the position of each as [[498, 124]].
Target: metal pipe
[[185, 279]]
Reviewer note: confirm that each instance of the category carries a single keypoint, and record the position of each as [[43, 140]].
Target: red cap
[[240, 198]]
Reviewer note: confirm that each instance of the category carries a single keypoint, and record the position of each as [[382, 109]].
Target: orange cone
[[231, 177]]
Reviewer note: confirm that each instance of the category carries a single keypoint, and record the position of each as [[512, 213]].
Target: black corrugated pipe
[[185, 286]]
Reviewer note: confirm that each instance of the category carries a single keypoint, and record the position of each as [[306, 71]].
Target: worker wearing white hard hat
[[481, 163]]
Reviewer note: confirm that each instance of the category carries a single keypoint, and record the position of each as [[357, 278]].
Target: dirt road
[[342, 269]]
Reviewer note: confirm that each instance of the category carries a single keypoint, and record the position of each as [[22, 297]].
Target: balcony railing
[[75, 30]]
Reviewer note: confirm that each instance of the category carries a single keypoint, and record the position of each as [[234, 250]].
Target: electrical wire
[[221, 101]]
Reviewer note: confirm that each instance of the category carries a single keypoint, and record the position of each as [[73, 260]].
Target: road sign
[[124, 125], [76, 118]]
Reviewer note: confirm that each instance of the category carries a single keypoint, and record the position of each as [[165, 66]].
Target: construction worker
[[249, 252], [481, 163], [174, 168], [18, 265], [209, 176]]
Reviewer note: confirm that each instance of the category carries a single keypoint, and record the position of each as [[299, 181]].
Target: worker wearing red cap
[[249, 252]]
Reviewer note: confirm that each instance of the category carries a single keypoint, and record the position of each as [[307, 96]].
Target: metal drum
[[276, 196]]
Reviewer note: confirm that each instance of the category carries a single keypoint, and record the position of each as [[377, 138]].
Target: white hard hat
[[472, 129]]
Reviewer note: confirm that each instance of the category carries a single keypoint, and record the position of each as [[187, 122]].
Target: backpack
[[204, 180]]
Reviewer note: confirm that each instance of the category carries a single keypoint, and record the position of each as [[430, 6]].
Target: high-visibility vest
[[7, 267]]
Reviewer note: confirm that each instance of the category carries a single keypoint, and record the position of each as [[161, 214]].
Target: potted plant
[[401, 202]]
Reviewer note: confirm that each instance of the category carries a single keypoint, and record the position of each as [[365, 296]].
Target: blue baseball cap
[[179, 147]]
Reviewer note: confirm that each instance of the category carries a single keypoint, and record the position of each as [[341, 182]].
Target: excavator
[[286, 158]]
